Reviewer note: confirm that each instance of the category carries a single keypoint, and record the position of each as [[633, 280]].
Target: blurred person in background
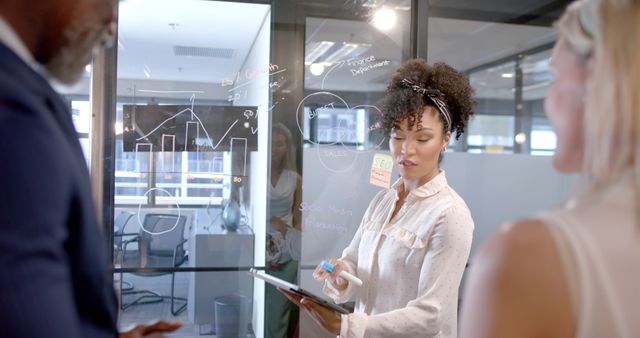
[[574, 271]]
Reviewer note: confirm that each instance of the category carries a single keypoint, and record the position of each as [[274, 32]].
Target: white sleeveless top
[[598, 240], [282, 249], [281, 196]]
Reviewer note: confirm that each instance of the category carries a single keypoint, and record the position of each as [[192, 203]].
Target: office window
[[492, 129], [543, 139], [491, 133], [536, 81], [81, 116], [505, 49], [336, 125]]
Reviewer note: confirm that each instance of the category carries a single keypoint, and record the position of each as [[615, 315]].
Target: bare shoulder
[[517, 274], [517, 243]]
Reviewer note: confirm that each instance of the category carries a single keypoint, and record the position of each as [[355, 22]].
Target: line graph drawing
[[187, 110], [195, 128]]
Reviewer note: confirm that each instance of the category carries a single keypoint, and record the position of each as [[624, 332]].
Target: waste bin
[[231, 316]]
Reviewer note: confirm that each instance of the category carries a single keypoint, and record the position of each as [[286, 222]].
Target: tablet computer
[[296, 289]]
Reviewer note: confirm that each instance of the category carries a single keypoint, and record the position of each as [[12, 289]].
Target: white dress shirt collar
[[10, 38]]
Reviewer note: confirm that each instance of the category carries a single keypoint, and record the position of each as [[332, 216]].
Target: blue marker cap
[[351, 278], [327, 266]]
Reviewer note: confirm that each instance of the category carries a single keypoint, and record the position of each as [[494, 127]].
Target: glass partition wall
[[349, 54], [505, 49], [191, 147], [227, 114]]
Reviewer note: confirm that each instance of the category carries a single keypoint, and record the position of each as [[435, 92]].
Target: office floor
[[148, 312]]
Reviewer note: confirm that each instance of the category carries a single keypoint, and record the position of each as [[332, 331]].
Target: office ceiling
[[167, 44], [463, 44], [194, 41], [521, 12]]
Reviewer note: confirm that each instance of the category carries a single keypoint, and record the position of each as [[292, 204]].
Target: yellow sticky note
[[381, 170]]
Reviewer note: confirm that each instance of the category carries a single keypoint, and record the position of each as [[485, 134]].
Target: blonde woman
[[283, 235], [574, 271]]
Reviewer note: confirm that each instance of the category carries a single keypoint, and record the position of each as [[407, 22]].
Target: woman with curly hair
[[414, 240]]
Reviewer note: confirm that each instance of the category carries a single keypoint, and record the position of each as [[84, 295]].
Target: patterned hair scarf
[[589, 19], [436, 96]]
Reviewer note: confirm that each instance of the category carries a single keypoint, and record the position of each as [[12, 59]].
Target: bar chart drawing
[[159, 129], [239, 156]]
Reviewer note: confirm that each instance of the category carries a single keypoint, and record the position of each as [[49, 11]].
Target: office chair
[[119, 225], [160, 245]]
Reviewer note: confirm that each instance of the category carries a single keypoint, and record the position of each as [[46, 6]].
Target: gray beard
[[67, 66]]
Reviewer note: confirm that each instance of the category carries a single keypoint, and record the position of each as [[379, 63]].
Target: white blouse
[[411, 266]]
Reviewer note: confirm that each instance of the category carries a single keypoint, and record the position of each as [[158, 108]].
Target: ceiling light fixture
[[384, 19], [316, 69], [315, 50], [507, 75]]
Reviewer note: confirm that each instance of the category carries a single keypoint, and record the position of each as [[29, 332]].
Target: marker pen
[[351, 278]]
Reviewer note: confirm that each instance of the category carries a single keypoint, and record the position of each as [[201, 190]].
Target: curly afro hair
[[403, 102]]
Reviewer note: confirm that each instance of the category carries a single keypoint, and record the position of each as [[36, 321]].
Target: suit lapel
[[34, 82]]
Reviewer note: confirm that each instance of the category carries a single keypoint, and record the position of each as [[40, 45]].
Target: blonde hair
[[609, 32], [287, 161], [612, 103]]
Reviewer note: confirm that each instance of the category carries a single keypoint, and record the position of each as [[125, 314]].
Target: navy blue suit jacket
[[54, 279]]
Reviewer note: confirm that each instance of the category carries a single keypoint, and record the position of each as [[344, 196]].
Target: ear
[[446, 138]]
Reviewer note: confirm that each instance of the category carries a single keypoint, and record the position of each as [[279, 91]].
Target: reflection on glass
[[192, 109], [507, 64], [356, 57], [283, 232], [469, 44], [337, 125], [358, 47]]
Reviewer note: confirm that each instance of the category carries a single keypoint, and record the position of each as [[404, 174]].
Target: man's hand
[[151, 330]]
